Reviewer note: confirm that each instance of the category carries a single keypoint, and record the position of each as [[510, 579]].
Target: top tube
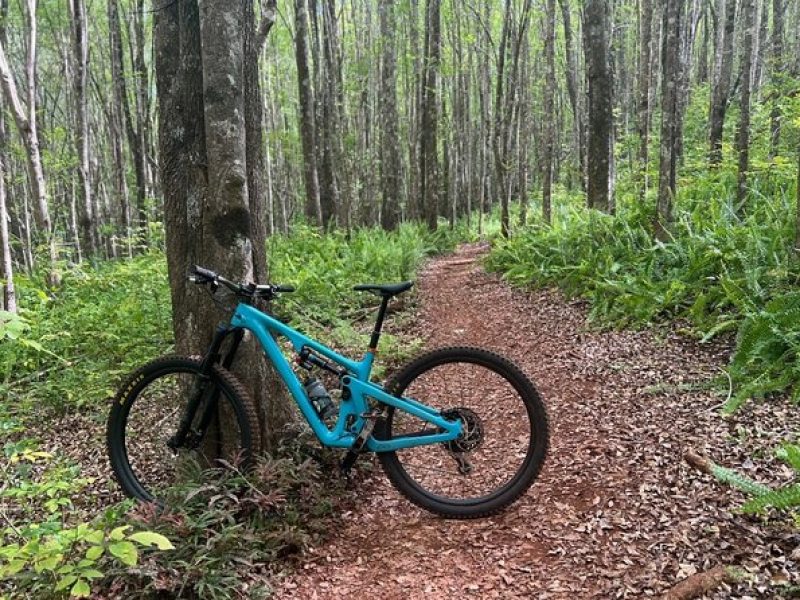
[[264, 326]]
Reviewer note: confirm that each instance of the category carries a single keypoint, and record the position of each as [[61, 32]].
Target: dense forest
[[640, 156]]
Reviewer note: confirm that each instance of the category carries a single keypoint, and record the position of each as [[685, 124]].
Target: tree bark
[[722, 80], [671, 129], [645, 49], [8, 298], [80, 65], [429, 152], [549, 117], [573, 91], [596, 27], [307, 125], [778, 67], [743, 132], [391, 166]]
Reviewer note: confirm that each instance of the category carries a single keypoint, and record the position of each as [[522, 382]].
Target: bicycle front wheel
[[502, 445], [147, 412]]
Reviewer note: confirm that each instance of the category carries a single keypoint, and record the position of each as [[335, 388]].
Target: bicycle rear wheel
[[147, 411], [504, 433]]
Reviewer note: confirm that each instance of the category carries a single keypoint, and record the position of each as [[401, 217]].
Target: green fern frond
[[783, 499], [739, 481], [790, 454]]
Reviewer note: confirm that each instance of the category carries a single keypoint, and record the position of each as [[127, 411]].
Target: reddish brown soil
[[616, 513]]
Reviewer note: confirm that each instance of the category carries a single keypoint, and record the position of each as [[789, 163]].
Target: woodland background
[[641, 155]]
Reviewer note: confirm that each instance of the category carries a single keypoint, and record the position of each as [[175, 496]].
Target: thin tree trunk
[[722, 80], [670, 116], [307, 129], [601, 119], [429, 153], [778, 67], [8, 298], [645, 41], [390, 164], [549, 97], [80, 61], [743, 132], [573, 91]]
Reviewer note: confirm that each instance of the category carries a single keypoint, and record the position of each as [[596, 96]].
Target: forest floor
[[616, 512]]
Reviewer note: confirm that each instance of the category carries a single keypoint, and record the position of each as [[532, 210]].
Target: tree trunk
[[573, 91], [549, 117], [671, 129], [80, 65], [132, 132], [778, 67], [645, 49], [596, 27], [429, 152], [722, 80], [8, 298], [743, 132], [391, 167], [201, 84], [116, 119], [307, 129]]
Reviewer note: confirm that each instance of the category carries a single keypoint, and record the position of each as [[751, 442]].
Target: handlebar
[[201, 276]]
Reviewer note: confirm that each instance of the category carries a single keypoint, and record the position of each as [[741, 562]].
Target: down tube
[[278, 360]]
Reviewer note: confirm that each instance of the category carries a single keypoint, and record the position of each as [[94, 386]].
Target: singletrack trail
[[616, 513]]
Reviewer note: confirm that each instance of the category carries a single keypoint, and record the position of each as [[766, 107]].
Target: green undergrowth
[[69, 347], [721, 272], [221, 534]]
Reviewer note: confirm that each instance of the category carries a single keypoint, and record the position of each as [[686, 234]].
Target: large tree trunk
[[80, 64], [391, 167], [596, 31], [307, 128], [743, 132], [202, 86], [671, 129], [722, 80]]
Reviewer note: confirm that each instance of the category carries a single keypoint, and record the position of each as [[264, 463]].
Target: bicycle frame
[[353, 409]]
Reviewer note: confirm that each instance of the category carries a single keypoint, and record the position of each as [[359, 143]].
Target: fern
[[738, 481], [785, 498]]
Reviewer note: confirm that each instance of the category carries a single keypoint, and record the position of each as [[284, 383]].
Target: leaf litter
[[616, 513]]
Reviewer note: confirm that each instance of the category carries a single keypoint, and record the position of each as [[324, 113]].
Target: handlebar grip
[[284, 288], [204, 274]]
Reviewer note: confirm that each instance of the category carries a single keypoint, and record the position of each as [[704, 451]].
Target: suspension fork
[[211, 357]]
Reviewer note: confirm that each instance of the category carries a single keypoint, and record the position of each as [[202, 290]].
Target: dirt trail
[[616, 513]]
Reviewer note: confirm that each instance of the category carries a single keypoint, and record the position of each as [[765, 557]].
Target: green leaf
[[65, 582], [91, 574], [118, 533], [150, 538], [94, 552], [80, 589], [125, 552]]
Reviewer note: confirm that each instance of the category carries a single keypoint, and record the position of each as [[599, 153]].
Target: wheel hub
[[471, 430]]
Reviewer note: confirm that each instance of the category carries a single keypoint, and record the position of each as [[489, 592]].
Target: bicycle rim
[[147, 415], [499, 455]]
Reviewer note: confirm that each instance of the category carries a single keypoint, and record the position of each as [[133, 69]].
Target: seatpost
[[376, 333]]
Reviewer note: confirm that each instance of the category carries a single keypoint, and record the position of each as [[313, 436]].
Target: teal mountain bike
[[459, 431]]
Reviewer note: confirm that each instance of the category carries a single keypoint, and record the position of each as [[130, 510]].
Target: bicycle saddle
[[386, 289]]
